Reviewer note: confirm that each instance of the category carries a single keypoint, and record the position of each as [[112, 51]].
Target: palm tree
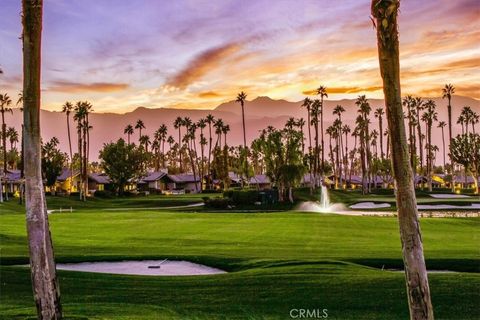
[[202, 123], [441, 125], [468, 116], [67, 109], [44, 280], [364, 110], [409, 103], [162, 135], [418, 105], [210, 120], [346, 130], [12, 135], [338, 110], [145, 141], [315, 109], [5, 103], [429, 116], [447, 92], [385, 14], [241, 98], [79, 117], [128, 131], [178, 123], [139, 125], [307, 103], [475, 120], [322, 92], [379, 114]]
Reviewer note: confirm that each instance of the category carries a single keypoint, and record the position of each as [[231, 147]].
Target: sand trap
[[145, 268], [448, 196], [473, 206], [369, 205]]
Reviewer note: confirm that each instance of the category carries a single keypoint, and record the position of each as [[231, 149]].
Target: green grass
[[277, 261]]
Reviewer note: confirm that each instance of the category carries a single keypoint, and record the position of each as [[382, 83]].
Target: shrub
[[105, 194], [217, 203]]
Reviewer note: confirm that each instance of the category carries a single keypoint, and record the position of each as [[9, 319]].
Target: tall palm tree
[[475, 120], [447, 92], [202, 123], [79, 117], [210, 120], [307, 103], [364, 110], [315, 109], [12, 135], [429, 116], [139, 125], [241, 98], [409, 103], [442, 125], [177, 124], [346, 130], [379, 114], [44, 280], [67, 109], [338, 110], [145, 141], [322, 92], [162, 135], [128, 131], [418, 105], [5, 106], [385, 14]]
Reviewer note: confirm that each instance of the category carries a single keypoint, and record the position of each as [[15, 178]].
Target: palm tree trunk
[[71, 153], [444, 151], [80, 156], [418, 290], [323, 143], [245, 155], [380, 124], [42, 263]]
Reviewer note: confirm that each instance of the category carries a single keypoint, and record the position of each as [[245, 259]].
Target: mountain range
[[259, 113]]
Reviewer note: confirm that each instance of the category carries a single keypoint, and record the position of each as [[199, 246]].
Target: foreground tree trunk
[[385, 14], [44, 281]]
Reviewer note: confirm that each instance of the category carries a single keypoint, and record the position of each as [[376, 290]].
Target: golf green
[[277, 262]]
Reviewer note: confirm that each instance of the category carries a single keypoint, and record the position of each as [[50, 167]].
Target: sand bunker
[[473, 206], [145, 268], [369, 205], [448, 196]]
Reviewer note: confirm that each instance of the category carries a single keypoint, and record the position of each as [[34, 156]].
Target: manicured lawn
[[277, 261]]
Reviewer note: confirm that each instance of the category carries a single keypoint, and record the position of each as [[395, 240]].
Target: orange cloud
[[203, 64], [208, 94], [338, 90], [75, 87]]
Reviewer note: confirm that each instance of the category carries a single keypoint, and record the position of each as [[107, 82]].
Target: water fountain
[[324, 199]]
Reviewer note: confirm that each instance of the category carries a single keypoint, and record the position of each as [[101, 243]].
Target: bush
[[217, 203], [242, 196], [105, 194]]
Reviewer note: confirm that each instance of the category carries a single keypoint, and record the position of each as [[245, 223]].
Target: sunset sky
[[196, 54]]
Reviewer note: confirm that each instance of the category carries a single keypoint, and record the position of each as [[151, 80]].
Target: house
[[235, 179], [260, 181], [183, 181], [99, 182], [160, 181], [307, 180], [67, 182], [464, 181], [11, 181], [154, 181]]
